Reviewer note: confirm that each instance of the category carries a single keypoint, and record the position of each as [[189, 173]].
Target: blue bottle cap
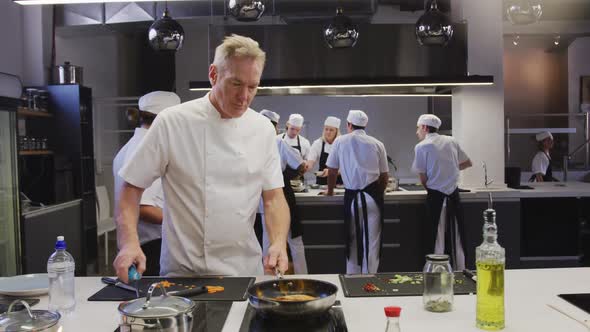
[[61, 243], [133, 274]]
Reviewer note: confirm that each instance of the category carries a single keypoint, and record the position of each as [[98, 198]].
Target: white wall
[[578, 65], [478, 112], [11, 20]]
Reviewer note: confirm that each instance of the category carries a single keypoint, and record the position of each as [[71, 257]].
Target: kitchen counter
[[549, 189], [527, 293]]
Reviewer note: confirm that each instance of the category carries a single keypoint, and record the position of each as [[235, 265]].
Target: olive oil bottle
[[490, 262]]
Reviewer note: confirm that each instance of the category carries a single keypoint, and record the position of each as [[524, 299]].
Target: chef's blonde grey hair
[[238, 46]]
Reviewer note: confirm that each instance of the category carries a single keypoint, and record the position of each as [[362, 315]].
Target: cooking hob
[[209, 316], [332, 321]]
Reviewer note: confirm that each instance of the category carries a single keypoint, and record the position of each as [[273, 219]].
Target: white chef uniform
[[153, 195], [153, 102], [213, 173], [298, 142], [361, 159], [439, 156]]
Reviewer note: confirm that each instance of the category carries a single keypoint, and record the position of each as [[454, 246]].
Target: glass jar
[[438, 284], [25, 144], [31, 92], [32, 143]]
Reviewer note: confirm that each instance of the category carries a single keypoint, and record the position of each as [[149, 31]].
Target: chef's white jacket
[[305, 146], [361, 159], [153, 195], [315, 152], [540, 163], [213, 172], [289, 156], [439, 156]]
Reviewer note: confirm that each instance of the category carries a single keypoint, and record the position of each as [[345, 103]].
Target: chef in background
[[292, 159], [292, 137], [541, 165], [362, 161], [438, 161], [321, 147], [149, 226]]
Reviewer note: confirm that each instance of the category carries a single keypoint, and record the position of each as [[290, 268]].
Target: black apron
[[296, 229], [434, 203], [548, 177], [323, 158], [290, 172], [351, 196]]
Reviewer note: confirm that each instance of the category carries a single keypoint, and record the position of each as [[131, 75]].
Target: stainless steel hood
[[386, 60]]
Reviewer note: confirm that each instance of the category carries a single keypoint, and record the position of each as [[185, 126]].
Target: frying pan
[[261, 297]]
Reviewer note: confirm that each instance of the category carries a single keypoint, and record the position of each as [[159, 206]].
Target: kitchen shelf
[[28, 113], [35, 152]]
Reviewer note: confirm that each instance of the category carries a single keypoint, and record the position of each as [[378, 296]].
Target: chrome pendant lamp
[[434, 28], [246, 10], [165, 34], [342, 32]]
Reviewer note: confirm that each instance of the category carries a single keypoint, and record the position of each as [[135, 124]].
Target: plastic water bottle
[[60, 268]]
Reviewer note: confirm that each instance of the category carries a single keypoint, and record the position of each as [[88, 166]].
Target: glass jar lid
[[437, 258]]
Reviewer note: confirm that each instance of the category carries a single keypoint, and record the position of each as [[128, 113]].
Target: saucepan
[[292, 298]]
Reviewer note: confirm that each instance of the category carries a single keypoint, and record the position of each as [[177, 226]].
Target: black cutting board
[[235, 288], [581, 301], [352, 285]]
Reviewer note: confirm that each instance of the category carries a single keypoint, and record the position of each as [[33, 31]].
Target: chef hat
[[543, 135], [332, 121], [157, 101], [357, 118], [295, 120], [274, 117], [430, 120]]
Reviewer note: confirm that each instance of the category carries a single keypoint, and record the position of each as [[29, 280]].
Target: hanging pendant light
[[521, 12], [246, 10], [165, 34], [434, 28], [341, 33]]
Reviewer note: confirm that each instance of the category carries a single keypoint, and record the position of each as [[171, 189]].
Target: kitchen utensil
[[584, 322], [29, 320], [25, 285], [120, 284], [262, 297], [133, 275], [165, 313], [67, 74]]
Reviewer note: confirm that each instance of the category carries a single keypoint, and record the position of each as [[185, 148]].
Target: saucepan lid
[[27, 319], [157, 307]]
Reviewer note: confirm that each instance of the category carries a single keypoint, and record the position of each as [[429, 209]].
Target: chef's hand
[[128, 255], [276, 258]]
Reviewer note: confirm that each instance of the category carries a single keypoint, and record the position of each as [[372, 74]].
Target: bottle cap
[[61, 243], [392, 311], [437, 258]]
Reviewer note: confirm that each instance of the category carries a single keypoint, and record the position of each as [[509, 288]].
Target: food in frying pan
[[294, 298]]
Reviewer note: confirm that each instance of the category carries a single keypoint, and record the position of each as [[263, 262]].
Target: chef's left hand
[[277, 257]]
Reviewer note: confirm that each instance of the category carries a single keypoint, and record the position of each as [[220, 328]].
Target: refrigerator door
[[9, 215]]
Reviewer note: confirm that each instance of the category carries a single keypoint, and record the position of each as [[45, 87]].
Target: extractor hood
[[413, 86], [387, 60]]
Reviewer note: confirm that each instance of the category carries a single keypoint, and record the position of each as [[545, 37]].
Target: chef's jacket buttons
[[207, 243]]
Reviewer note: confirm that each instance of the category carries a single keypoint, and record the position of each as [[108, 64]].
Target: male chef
[[362, 162], [149, 227], [292, 159], [216, 157], [292, 137], [438, 161]]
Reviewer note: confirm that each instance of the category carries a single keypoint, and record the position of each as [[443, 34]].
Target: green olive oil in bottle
[[490, 261]]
